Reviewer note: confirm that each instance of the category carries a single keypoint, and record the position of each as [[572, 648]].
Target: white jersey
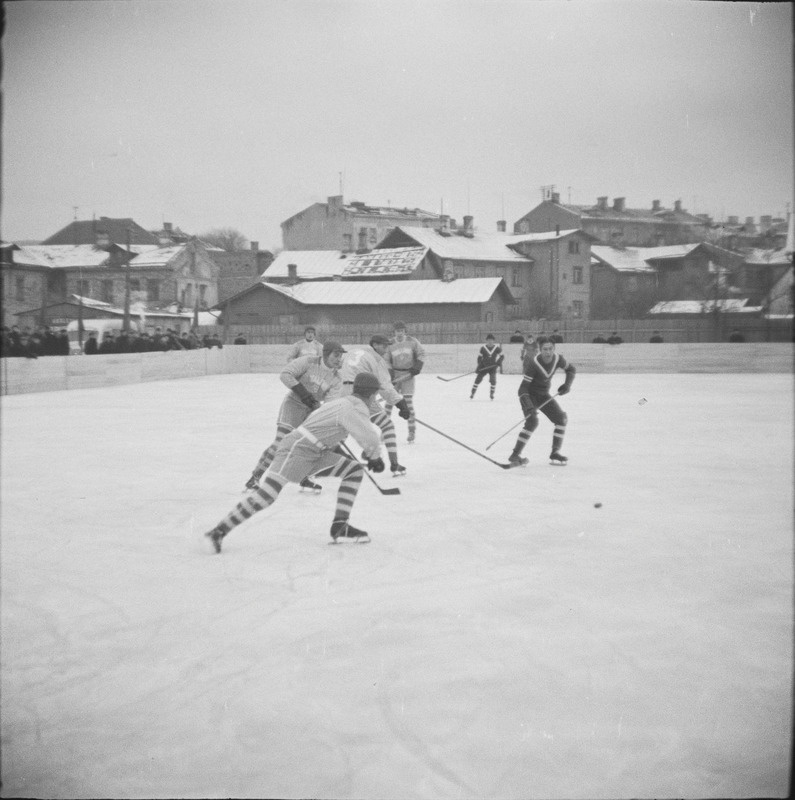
[[323, 382], [305, 348], [368, 360], [332, 422]]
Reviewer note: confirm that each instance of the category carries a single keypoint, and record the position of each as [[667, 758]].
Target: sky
[[235, 114]]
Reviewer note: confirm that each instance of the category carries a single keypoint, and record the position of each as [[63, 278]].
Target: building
[[239, 269], [36, 276], [547, 273], [628, 281], [102, 231], [350, 227], [765, 277], [373, 303], [616, 224]]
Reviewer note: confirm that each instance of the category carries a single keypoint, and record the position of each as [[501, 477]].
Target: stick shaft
[[461, 444], [484, 369], [538, 408]]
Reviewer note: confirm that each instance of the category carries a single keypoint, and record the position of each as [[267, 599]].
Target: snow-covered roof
[[728, 305], [636, 259], [311, 264], [61, 255], [768, 258], [359, 293], [492, 246], [158, 257]]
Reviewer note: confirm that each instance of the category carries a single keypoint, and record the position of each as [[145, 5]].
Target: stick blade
[[390, 491]]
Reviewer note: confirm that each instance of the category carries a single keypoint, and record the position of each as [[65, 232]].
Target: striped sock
[[351, 473], [266, 458], [387, 434], [557, 437], [259, 498], [521, 441]]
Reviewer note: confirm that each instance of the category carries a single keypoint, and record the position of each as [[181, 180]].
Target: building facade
[[349, 227], [616, 224]]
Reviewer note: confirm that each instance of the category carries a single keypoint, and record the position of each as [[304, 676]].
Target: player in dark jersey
[[534, 390], [490, 358]]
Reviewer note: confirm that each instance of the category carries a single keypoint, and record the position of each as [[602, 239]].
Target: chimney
[[556, 197], [557, 230], [601, 203], [677, 205], [254, 246], [468, 223], [444, 222], [618, 203], [765, 222], [733, 220], [168, 226], [501, 225], [655, 205], [292, 273], [103, 239], [335, 204], [750, 225]]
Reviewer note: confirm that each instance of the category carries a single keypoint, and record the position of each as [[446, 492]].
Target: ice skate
[[252, 482], [310, 486], [397, 470], [215, 537], [342, 531], [516, 460], [557, 459], [410, 440]]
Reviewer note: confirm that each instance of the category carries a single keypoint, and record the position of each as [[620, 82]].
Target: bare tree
[[229, 239]]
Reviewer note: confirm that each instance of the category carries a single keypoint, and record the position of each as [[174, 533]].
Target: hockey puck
[[642, 401], [597, 505]]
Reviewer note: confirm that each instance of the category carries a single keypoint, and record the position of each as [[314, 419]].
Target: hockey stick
[[447, 380], [465, 446], [367, 473], [538, 408]]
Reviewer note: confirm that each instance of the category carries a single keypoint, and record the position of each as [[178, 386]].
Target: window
[[83, 289], [373, 236], [135, 284], [203, 294], [574, 246], [189, 294], [107, 291], [632, 283], [489, 320], [20, 289], [152, 289], [576, 275], [363, 239], [480, 272], [578, 308], [347, 242], [516, 276]]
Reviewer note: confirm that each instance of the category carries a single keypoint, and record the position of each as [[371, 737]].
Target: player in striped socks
[[314, 447], [534, 390]]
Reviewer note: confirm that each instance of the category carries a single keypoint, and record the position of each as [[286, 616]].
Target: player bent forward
[[311, 381], [311, 448], [534, 390]]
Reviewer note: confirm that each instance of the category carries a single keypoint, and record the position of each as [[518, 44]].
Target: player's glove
[[305, 396], [403, 409], [417, 368], [375, 464], [564, 388]]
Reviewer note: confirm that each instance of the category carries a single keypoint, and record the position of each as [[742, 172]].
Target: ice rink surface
[[499, 638]]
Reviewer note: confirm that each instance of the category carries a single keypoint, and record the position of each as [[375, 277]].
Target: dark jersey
[[490, 356], [538, 375]]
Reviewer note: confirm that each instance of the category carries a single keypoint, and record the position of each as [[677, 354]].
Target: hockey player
[[534, 390], [308, 346], [490, 358], [371, 359], [405, 357], [310, 381], [314, 447]]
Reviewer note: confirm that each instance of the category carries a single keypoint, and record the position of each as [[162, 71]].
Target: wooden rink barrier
[[59, 373]]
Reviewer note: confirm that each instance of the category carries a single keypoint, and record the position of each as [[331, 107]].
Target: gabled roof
[[388, 293], [478, 247], [636, 259], [769, 258], [365, 210], [635, 214], [61, 255], [85, 232]]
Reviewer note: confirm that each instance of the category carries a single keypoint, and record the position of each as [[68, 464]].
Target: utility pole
[[126, 325]]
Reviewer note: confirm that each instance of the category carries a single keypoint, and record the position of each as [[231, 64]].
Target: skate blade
[[558, 463], [348, 540], [307, 490]]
